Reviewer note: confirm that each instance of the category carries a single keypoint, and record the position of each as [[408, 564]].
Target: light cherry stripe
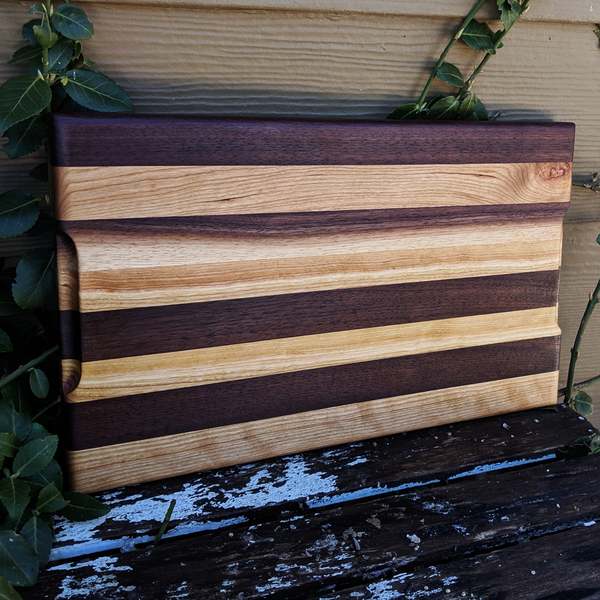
[[145, 460], [142, 272], [150, 373], [136, 192]]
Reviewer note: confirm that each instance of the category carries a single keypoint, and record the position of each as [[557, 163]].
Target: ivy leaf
[[25, 137], [14, 495], [51, 474], [19, 211], [18, 394], [18, 563], [38, 381], [96, 91], [22, 97], [12, 421], [508, 15], [467, 106], [44, 35], [83, 507], [450, 74], [72, 22], [7, 591], [50, 499], [406, 111], [480, 113], [35, 278], [35, 456], [60, 54], [37, 432], [39, 536], [9, 444], [5, 343], [583, 404], [7, 305], [37, 7], [444, 109], [478, 36], [27, 31], [25, 53]]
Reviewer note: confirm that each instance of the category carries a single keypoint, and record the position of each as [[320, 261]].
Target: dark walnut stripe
[[157, 329], [119, 420], [315, 223], [126, 140]]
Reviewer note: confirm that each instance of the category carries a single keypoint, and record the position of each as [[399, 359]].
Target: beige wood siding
[[356, 59]]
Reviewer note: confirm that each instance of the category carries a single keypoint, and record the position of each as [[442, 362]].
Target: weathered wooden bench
[[483, 509]]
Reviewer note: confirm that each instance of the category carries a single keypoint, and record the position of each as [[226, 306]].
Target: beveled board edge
[[152, 140]]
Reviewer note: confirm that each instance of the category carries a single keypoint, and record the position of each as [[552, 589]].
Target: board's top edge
[[173, 140]]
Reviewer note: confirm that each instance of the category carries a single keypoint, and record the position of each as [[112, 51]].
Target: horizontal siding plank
[[111, 466]]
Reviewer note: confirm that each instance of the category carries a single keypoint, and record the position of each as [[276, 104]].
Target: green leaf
[[467, 106], [598, 240], [12, 421], [478, 36], [14, 495], [7, 305], [508, 16], [35, 279], [25, 53], [72, 22], [597, 32], [38, 7], [83, 507], [38, 381], [35, 66], [480, 113], [39, 536], [28, 30], [50, 499], [22, 97], [96, 91], [51, 474], [18, 563], [25, 137], [450, 74], [7, 591], [35, 456], [38, 431], [19, 211], [445, 109], [44, 35], [18, 394], [406, 111], [5, 343], [60, 54], [9, 444], [583, 404]]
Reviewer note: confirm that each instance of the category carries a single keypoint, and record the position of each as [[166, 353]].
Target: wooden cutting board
[[232, 290]]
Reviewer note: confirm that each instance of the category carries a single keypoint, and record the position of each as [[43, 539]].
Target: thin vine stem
[[578, 338], [32, 363], [581, 385], [451, 43], [47, 408]]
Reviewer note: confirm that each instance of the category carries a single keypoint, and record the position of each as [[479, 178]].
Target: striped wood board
[[232, 290]]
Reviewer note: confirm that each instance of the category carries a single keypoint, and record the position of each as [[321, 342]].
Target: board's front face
[[235, 290]]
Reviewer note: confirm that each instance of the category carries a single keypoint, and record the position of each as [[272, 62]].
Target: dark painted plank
[[153, 330], [264, 489], [317, 223], [339, 547], [564, 566], [142, 416], [127, 140]]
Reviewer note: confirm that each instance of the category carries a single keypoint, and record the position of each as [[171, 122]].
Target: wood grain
[[86, 140], [112, 466], [221, 268], [116, 334], [156, 191], [187, 368], [119, 420]]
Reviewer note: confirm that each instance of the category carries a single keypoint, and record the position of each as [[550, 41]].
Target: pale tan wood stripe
[[111, 466], [118, 272], [135, 192], [149, 373]]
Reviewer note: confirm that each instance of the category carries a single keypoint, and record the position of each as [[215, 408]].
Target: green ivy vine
[[59, 78]]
